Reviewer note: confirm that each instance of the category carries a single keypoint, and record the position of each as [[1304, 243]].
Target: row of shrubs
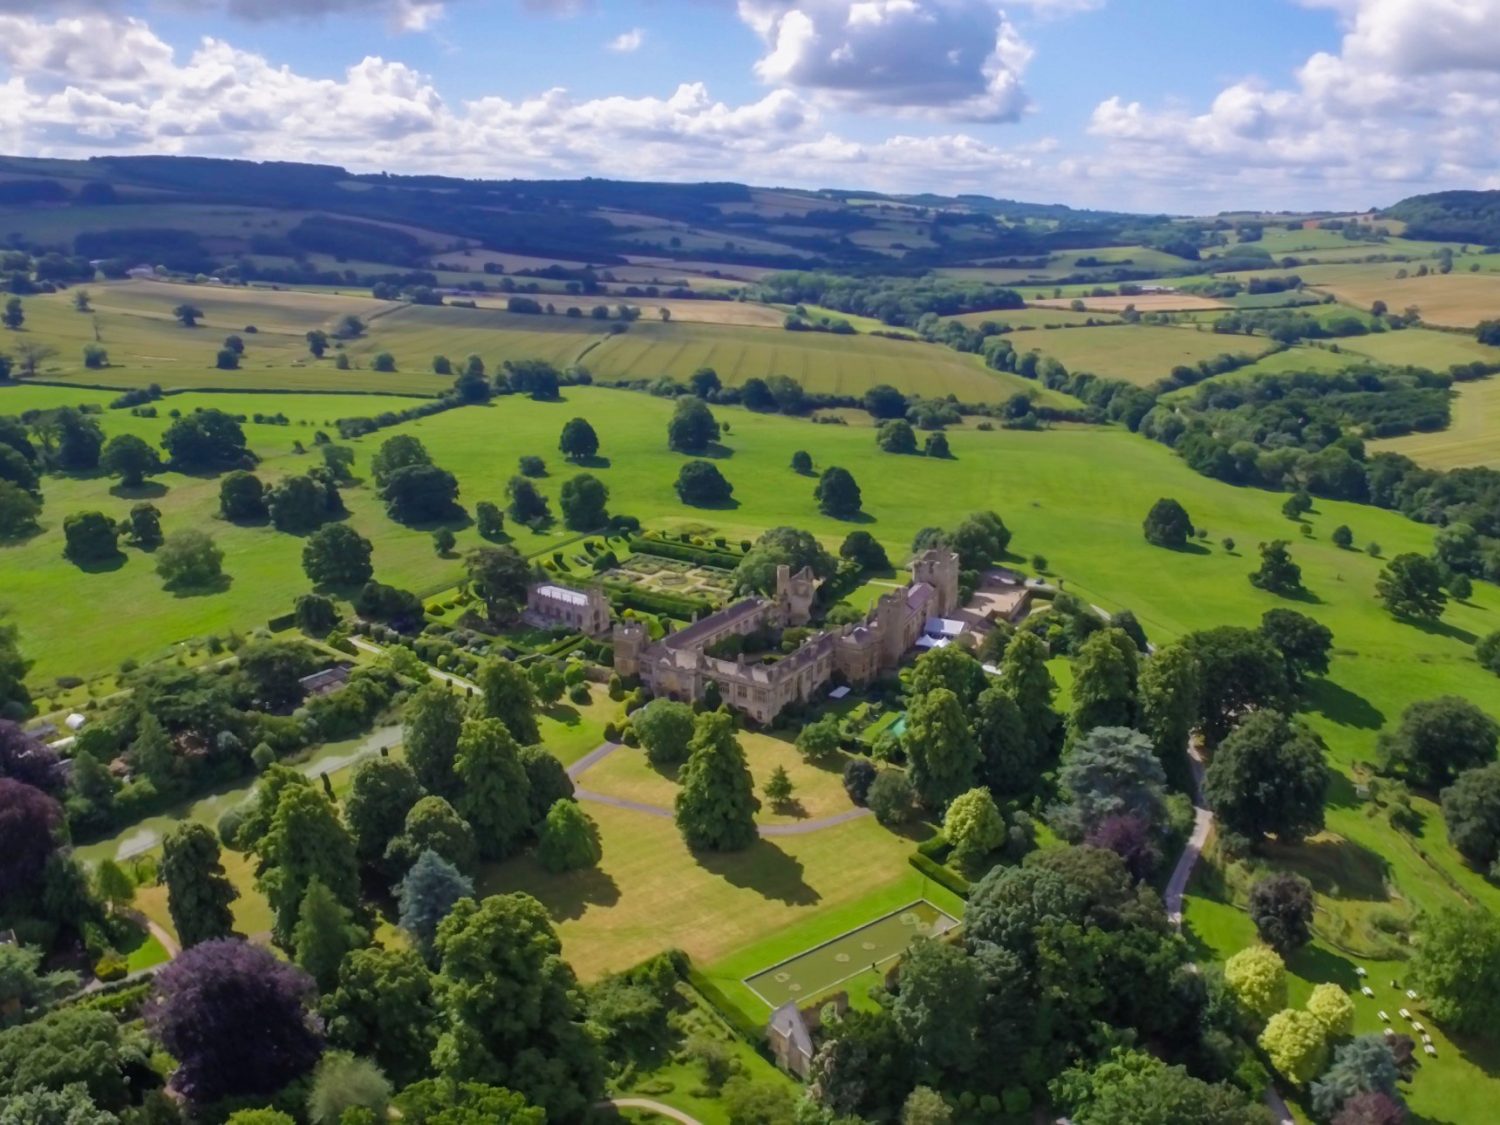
[[718, 557], [625, 595]]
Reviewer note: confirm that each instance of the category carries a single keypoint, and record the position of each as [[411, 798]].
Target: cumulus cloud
[[627, 41], [954, 59], [1411, 97], [90, 84]]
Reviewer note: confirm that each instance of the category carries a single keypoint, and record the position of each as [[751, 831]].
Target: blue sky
[[1140, 104]]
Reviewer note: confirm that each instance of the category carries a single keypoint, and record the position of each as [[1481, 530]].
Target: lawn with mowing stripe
[[650, 893], [818, 788], [821, 362]]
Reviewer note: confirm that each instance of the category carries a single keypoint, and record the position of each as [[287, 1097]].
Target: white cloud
[[627, 41], [69, 88], [951, 59], [1411, 98]]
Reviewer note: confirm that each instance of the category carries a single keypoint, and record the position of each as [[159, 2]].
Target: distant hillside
[[1452, 216], [352, 216]]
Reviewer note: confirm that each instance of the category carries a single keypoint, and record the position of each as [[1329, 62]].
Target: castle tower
[[939, 569], [630, 641], [890, 615], [794, 594]]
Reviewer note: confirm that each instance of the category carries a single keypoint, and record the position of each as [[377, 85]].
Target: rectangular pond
[[817, 970]]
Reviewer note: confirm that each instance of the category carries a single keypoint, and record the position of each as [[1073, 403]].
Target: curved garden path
[[653, 1106], [604, 750]]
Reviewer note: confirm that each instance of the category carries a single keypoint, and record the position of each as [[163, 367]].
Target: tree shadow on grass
[[718, 506], [100, 566], [714, 450], [594, 462], [1440, 629], [1336, 867], [765, 869], [1300, 594], [1318, 964], [563, 713], [856, 517], [1341, 793], [1188, 548], [570, 896], [1340, 705], [216, 585], [146, 490]]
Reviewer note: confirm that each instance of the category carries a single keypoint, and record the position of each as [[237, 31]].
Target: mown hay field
[[1137, 353]]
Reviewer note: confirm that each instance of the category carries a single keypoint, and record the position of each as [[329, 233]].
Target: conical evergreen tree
[[716, 806]]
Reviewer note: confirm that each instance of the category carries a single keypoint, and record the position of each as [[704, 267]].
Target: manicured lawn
[[818, 787], [570, 731], [650, 893]]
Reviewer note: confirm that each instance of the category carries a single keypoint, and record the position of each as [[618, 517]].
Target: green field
[[134, 321], [818, 970], [1472, 438], [1422, 347], [1139, 354]]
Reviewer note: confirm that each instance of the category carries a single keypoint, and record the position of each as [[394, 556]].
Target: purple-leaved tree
[[238, 1021]]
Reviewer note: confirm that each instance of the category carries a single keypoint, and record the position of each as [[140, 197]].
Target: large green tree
[[325, 934], [837, 493], [583, 499], [433, 825], [1106, 672], [433, 717], [306, 841], [951, 667], [692, 428], [1471, 810], [1024, 676], [381, 793], [1133, 1087], [383, 1008], [1008, 762], [130, 458], [199, 893], [515, 1014], [1171, 684], [501, 576], [578, 442], [493, 787], [716, 805], [1411, 585], [665, 730], [1268, 777], [1167, 524], [508, 696], [1277, 573], [337, 555], [1456, 967], [1437, 739], [569, 839], [1304, 644], [937, 1006], [1239, 671], [944, 758]]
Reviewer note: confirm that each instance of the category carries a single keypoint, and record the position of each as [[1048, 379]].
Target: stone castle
[[678, 667]]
